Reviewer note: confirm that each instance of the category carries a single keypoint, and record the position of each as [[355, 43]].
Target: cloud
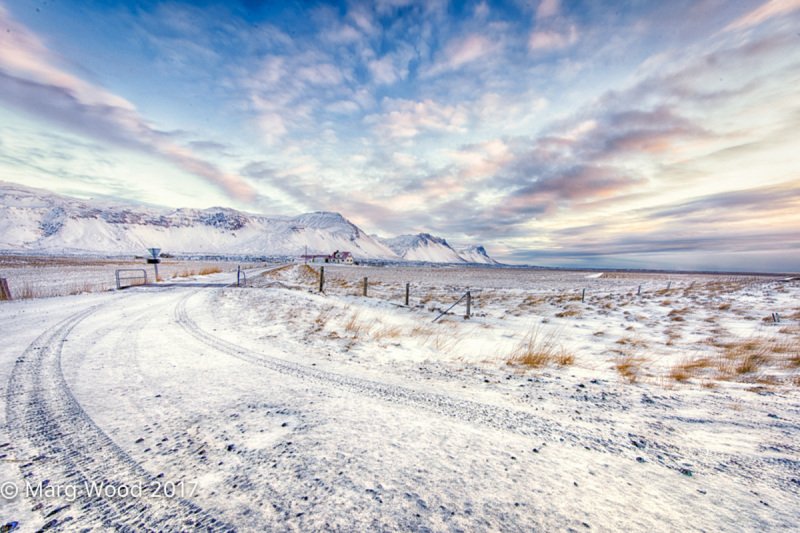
[[342, 34], [732, 205], [290, 93], [547, 8], [623, 148], [565, 187], [767, 10], [462, 51], [319, 74], [406, 119], [482, 11], [392, 67], [543, 40], [31, 81], [209, 146], [343, 107]]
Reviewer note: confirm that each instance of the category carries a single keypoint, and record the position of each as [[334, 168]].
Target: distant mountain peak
[[476, 253], [423, 247]]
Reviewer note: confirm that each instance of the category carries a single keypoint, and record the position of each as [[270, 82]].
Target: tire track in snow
[[63, 447]]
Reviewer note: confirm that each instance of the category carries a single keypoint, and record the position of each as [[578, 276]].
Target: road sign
[[154, 260]]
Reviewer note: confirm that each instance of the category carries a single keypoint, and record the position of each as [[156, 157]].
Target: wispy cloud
[[401, 119], [552, 39], [462, 51], [31, 80], [547, 8], [766, 11]]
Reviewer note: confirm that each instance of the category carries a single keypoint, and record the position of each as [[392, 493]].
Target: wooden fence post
[[407, 290], [366, 282], [583, 295], [469, 304], [639, 291], [321, 279], [5, 292]]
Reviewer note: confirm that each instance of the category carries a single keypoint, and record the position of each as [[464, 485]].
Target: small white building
[[341, 257], [344, 258]]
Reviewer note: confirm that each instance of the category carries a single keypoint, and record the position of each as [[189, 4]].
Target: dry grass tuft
[[751, 358], [538, 349], [421, 331], [308, 274], [689, 368], [631, 341], [275, 271], [353, 325], [30, 291], [209, 270], [677, 315], [672, 335], [629, 367], [387, 332], [27, 292], [532, 301], [564, 358], [322, 319]]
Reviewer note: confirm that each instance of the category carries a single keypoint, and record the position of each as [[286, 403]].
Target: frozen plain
[[283, 409]]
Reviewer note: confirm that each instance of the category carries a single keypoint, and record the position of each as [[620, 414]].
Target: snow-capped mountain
[[33, 220], [38, 221], [476, 254], [423, 247]]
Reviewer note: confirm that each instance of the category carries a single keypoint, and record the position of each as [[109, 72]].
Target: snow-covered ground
[[45, 276], [275, 407]]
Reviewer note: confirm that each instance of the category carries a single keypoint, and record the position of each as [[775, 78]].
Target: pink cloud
[[553, 40], [405, 119], [460, 52], [31, 80], [767, 10], [547, 8]]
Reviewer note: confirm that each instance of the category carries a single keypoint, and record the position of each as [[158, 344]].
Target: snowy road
[[224, 429]]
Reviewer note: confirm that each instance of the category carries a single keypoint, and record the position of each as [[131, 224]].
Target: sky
[[630, 134]]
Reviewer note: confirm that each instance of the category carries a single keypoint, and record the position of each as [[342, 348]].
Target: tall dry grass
[[538, 349], [629, 366], [30, 291]]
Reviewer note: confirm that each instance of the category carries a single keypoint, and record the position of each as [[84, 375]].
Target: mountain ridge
[[36, 220]]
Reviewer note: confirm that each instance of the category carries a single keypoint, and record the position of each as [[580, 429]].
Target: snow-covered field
[[275, 407], [45, 276]]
